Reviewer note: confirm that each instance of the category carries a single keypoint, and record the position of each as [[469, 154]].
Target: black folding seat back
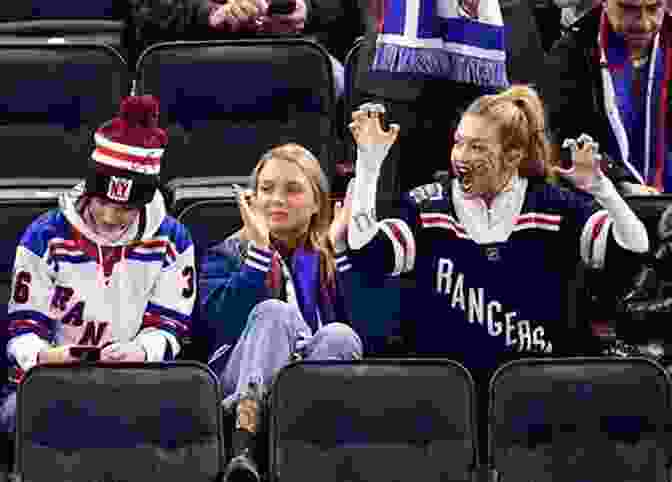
[[210, 221], [17, 214], [97, 21], [566, 420], [52, 98], [184, 191], [374, 421], [144, 422], [225, 103], [427, 110], [525, 54]]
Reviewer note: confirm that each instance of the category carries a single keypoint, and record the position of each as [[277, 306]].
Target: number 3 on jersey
[[188, 281]]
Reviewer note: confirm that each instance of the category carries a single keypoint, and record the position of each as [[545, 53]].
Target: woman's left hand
[[338, 231], [131, 351], [585, 171]]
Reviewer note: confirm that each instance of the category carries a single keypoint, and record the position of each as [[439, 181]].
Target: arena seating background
[[389, 418]]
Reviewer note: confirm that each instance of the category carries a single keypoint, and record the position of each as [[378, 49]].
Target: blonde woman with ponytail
[[493, 247], [285, 273]]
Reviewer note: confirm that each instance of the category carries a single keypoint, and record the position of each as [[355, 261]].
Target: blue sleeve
[[229, 287]]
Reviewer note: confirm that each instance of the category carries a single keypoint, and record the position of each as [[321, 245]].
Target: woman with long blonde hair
[[285, 272]]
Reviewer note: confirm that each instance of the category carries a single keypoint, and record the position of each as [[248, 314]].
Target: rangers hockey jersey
[[491, 290], [71, 287]]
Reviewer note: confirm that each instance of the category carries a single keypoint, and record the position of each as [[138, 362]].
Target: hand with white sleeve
[[586, 174], [373, 144], [372, 140]]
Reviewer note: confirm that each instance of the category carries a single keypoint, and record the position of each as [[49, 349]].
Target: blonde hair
[[318, 229], [522, 127]]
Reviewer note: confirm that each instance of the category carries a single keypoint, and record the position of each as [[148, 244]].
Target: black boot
[[243, 467]]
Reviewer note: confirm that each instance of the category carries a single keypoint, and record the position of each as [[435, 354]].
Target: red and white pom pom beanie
[[127, 157]]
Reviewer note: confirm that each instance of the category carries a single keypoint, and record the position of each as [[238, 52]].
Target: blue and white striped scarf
[[460, 40]]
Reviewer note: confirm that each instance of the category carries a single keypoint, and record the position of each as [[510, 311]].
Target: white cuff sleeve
[[629, 231], [24, 349], [155, 341], [363, 222]]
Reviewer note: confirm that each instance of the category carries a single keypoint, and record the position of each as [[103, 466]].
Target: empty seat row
[[222, 103], [559, 420]]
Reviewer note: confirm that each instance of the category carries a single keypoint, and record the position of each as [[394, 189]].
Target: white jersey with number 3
[[71, 287]]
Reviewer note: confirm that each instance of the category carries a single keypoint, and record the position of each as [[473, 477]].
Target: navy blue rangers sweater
[[485, 302]]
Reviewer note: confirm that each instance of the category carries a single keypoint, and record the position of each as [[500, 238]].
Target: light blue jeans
[[276, 334]]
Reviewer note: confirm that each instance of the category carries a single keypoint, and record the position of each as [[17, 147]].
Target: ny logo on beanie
[[119, 189]]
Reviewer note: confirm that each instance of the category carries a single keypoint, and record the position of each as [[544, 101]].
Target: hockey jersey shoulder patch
[[177, 234], [427, 192], [48, 226]]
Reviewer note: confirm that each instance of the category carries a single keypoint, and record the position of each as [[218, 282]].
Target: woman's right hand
[[371, 138], [56, 355], [367, 126], [254, 225]]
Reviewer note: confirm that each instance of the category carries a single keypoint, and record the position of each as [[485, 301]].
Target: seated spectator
[[286, 272], [109, 270], [333, 23], [491, 249], [609, 78]]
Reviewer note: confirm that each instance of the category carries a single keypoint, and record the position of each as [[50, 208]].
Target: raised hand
[[367, 129], [255, 227], [585, 171]]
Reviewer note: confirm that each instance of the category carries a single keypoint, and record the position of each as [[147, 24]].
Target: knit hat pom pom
[[140, 111]]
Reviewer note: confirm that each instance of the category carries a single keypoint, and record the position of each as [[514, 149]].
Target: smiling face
[[286, 198], [477, 156], [637, 20], [111, 219]]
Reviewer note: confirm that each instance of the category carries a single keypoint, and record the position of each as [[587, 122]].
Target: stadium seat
[[210, 221], [524, 51], [227, 102], [52, 98], [568, 420], [426, 110], [151, 422], [94, 21], [185, 191], [17, 211], [373, 421]]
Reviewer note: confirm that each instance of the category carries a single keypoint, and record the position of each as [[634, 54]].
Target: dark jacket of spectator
[[333, 23], [573, 91]]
